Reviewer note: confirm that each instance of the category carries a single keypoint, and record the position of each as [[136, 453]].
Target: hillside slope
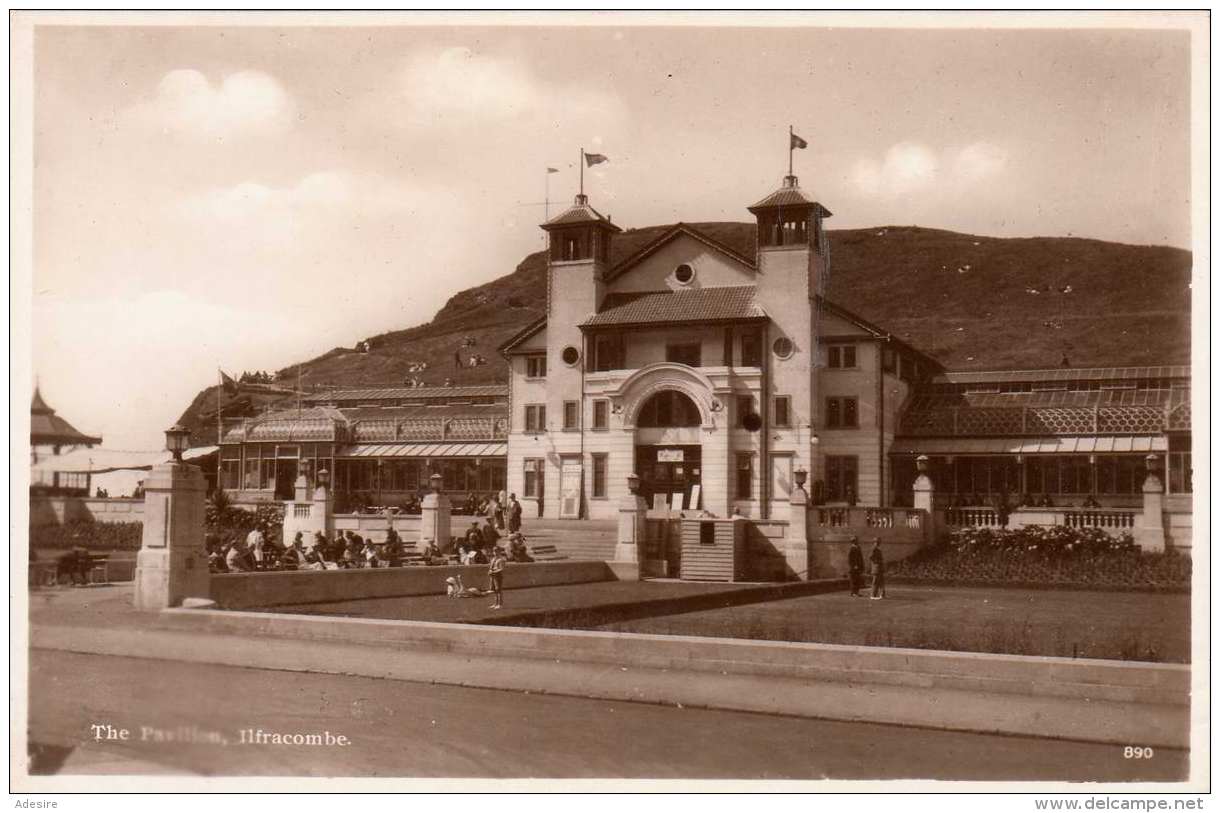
[[972, 302]]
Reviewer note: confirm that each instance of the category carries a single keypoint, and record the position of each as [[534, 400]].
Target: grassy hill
[[972, 302]]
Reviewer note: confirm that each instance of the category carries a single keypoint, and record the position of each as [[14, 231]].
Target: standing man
[[254, 544], [495, 576], [877, 559], [514, 514], [855, 566]]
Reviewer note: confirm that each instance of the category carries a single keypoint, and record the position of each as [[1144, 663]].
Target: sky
[[250, 197]]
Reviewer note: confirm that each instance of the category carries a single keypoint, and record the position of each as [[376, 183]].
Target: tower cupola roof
[[580, 212], [789, 196]]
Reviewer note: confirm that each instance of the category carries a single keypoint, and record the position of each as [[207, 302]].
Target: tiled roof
[[787, 196], [698, 305], [580, 212], [48, 429], [1095, 398], [406, 393]]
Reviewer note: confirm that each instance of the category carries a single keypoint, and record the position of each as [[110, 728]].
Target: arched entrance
[[668, 455]]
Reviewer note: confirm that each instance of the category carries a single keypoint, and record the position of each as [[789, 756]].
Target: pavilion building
[[716, 375]]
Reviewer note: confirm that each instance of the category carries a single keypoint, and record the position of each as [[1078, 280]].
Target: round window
[[570, 355], [684, 274], [783, 347]]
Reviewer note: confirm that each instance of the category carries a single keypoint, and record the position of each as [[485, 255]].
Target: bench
[[546, 553], [99, 564]]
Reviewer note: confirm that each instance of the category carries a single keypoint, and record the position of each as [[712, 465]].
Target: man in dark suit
[[855, 567]]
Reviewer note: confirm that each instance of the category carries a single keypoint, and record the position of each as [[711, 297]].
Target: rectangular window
[[606, 353], [689, 353], [599, 475], [842, 413], [841, 476], [751, 349], [745, 477], [1180, 473], [841, 356], [535, 417], [745, 406], [532, 483], [571, 415], [783, 410], [535, 367], [601, 414]]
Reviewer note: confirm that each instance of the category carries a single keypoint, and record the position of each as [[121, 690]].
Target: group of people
[[876, 567], [480, 542], [346, 551]]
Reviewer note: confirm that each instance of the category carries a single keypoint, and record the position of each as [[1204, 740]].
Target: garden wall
[[241, 590], [63, 510]]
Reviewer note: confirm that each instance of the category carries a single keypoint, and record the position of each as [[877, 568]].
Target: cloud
[[910, 167], [187, 103], [459, 82], [979, 161]]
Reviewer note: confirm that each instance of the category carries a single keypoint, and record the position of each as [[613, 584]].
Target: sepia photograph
[[611, 402]]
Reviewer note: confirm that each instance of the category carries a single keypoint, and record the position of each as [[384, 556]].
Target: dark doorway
[[670, 470], [285, 479]]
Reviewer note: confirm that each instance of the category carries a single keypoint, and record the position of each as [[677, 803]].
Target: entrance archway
[[670, 467]]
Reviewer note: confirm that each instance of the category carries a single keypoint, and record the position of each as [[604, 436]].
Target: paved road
[[401, 729]]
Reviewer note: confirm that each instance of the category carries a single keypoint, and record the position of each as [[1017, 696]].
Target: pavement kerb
[[938, 708], [1162, 684]]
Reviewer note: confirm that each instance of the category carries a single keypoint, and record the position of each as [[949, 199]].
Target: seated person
[[371, 557], [216, 562], [312, 561], [391, 551], [490, 535], [479, 556], [517, 550], [74, 565], [237, 560], [474, 536], [433, 555]]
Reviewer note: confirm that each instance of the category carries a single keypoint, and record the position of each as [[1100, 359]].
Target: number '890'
[[1136, 752]]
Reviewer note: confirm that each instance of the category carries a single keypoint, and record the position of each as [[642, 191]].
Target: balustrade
[[1099, 519]]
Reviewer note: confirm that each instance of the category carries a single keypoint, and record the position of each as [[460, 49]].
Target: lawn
[[1066, 623], [557, 599]]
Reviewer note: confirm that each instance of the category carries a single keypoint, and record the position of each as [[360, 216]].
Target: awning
[[424, 450], [1061, 445]]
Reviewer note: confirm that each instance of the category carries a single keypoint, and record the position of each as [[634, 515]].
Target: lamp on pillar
[[1152, 464], [172, 565], [435, 482], [177, 438], [633, 483], [324, 478], [801, 476], [921, 464]]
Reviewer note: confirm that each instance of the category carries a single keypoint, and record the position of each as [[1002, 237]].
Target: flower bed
[[1045, 557]]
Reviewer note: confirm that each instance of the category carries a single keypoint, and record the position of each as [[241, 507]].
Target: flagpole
[[789, 150], [582, 172], [546, 199], [219, 389]]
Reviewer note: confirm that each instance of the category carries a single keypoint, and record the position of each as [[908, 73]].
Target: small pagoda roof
[[789, 196], [580, 212], [48, 429]]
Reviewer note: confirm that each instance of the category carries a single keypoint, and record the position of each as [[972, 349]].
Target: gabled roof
[[868, 327], [520, 336], [670, 234], [48, 429], [671, 307]]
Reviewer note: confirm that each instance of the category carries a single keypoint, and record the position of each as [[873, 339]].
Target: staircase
[[574, 538]]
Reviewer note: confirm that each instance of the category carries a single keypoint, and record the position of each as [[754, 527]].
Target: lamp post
[[633, 483], [801, 476], [177, 438]]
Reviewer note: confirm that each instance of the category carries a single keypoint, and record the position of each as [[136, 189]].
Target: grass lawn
[[524, 600], [1067, 623]]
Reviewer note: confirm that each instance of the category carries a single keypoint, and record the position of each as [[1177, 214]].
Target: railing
[[302, 510], [846, 517], [980, 517], [1099, 519]]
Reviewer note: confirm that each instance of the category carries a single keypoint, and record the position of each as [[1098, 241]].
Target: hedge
[[91, 535]]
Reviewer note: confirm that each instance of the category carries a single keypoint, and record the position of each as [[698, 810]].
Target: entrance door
[[285, 479], [671, 471], [570, 476]]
